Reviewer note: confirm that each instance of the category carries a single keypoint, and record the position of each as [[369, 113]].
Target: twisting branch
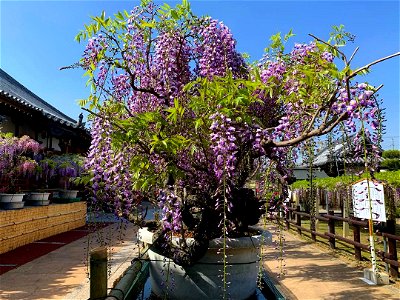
[[366, 67], [321, 130], [137, 89], [334, 123], [331, 100]]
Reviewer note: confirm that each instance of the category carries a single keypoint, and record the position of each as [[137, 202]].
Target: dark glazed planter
[[203, 280]]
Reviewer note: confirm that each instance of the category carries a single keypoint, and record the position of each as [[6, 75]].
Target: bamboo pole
[[371, 230]]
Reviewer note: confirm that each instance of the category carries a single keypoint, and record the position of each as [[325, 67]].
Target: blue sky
[[37, 38]]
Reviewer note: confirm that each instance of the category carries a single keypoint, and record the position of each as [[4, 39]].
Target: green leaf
[[83, 102], [198, 123], [147, 24], [119, 16], [364, 72], [186, 4], [289, 35], [78, 37], [174, 14], [166, 7]]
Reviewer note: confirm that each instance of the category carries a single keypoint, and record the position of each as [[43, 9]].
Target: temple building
[[24, 113]]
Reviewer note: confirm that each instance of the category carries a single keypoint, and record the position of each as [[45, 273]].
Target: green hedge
[[391, 154], [391, 164], [331, 183]]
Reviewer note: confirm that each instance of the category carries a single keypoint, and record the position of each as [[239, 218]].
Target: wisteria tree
[[180, 117]]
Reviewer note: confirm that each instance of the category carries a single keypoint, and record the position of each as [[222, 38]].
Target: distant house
[[302, 173], [333, 160], [24, 113]]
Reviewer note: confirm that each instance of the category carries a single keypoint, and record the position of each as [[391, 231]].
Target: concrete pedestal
[[378, 278]]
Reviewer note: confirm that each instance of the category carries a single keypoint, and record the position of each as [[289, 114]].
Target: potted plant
[[66, 168], [57, 171], [44, 173], [15, 163], [181, 119]]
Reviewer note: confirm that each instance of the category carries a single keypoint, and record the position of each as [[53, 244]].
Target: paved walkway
[[312, 273], [62, 273]]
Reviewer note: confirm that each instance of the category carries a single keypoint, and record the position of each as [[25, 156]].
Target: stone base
[[378, 278]]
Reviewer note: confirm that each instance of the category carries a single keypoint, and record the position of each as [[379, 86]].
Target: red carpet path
[[17, 257]]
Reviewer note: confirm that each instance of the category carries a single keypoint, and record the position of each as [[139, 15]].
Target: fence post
[[391, 228], [290, 211], [331, 229], [356, 237], [287, 215], [298, 219], [98, 273]]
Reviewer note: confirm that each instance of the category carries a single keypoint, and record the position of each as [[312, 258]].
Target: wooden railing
[[293, 218]]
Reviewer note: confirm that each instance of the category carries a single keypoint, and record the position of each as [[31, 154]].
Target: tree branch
[[354, 53], [142, 90], [354, 73], [329, 45], [321, 130], [312, 121]]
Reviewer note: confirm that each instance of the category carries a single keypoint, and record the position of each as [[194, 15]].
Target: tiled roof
[[340, 151], [13, 90]]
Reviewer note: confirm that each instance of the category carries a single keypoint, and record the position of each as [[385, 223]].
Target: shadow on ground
[[63, 273]]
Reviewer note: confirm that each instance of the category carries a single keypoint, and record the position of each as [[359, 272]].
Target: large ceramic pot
[[11, 201], [204, 279]]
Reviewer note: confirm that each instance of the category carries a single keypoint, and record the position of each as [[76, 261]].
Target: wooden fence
[[293, 218]]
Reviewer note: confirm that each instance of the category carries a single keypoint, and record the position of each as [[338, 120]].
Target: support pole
[[98, 273], [371, 231], [346, 227]]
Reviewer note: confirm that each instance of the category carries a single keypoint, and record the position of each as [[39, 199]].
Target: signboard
[[361, 203]]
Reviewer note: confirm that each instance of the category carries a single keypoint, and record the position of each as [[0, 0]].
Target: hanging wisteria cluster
[[171, 208], [215, 47], [176, 108], [223, 146]]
